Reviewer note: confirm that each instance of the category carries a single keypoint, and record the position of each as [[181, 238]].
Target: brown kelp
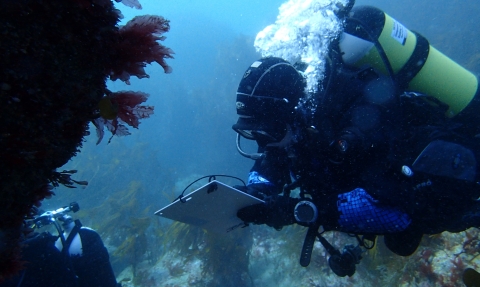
[[135, 243], [223, 258], [55, 59]]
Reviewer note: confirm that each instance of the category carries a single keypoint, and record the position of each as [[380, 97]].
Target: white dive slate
[[213, 206]]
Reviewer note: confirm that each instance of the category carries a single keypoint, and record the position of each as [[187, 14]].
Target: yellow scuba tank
[[373, 38]]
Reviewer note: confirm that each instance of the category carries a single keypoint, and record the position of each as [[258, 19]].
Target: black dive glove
[[259, 190], [278, 213]]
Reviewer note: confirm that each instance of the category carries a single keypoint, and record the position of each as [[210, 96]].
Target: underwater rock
[[55, 59]]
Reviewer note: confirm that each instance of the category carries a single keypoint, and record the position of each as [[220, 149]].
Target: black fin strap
[[308, 245]]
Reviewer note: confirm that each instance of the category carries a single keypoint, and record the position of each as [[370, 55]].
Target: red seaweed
[[138, 46], [124, 108], [129, 110]]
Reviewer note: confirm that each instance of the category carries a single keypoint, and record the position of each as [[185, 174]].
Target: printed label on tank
[[399, 32]]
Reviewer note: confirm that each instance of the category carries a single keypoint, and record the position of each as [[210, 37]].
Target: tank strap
[[415, 62], [71, 236]]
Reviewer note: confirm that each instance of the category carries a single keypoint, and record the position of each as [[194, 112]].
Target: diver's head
[[266, 99]]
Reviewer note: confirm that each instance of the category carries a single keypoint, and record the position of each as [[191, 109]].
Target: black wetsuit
[[363, 140], [46, 266]]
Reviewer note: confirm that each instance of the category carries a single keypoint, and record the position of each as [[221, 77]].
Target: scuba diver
[[75, 257], [389, 148]]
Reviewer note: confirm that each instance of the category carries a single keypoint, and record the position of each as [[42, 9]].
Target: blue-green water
[[190, 133]]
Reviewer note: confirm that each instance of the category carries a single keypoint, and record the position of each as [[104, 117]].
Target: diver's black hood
[[268, 94]]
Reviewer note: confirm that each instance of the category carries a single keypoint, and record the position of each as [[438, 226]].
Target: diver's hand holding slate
[[277, 213]]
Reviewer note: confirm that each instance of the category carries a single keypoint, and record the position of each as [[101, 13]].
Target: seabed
[[273, 260]]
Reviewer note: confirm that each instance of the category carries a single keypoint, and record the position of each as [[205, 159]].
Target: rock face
[[55, 59]]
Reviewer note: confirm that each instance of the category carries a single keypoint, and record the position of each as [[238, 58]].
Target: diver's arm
[[267, 176], [352, 212]]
